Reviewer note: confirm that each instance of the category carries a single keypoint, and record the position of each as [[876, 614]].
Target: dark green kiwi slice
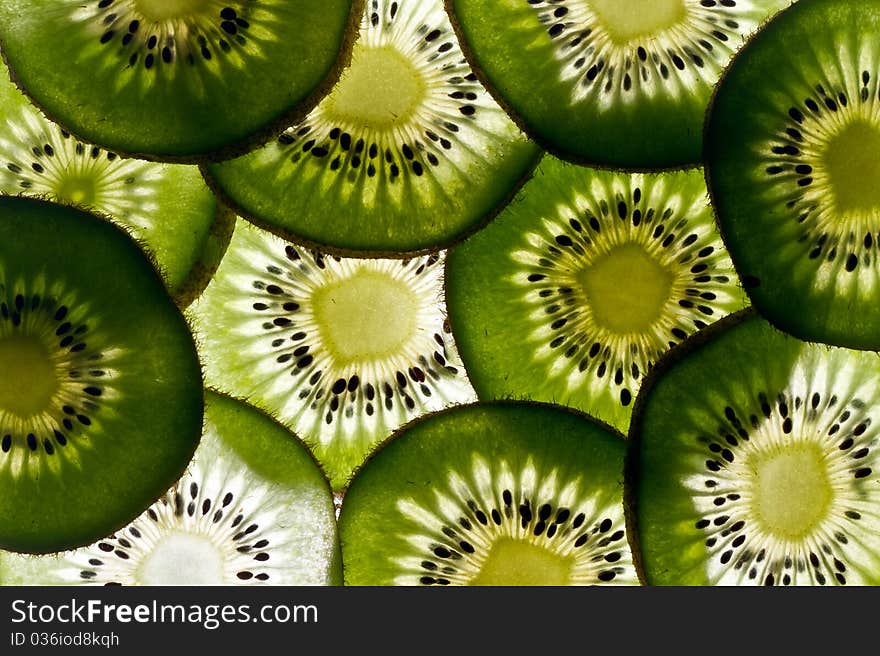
[[753, 461], [490, 494], [791, 150], [341, 350], [408, 151], [100, 392], [252, 508], [583, 281], [173, 79], [623, 83], [167, 208]]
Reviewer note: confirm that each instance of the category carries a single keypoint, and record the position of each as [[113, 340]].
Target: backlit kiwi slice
[[174, 79], [498, 494], [167, 208], [623, 83], [341, 350], [408, 150], [583, 282], [754, 462], [792, 151], [100, 392], [253, 508]]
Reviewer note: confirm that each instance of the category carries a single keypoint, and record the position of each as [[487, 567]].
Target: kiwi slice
[[753, 461], [408, 151], [622, 83], [167, 208], [90, 346], [791, 150], [253, 508], [341, 350], [583, 282], [173, 79], [490, 494]]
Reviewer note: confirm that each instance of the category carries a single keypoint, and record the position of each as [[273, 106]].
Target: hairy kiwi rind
[[632, 460], [213, 250], [239, 147], [527, 129], [507, 402], [364, 253]]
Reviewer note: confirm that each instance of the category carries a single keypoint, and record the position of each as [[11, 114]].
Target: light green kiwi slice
[[502, 494], [174, 79], [753, 461], [583, 281], [101, 389], [341, 350], [167, 208], [619, 83], [407, 152], [792, 163], [253, 508]]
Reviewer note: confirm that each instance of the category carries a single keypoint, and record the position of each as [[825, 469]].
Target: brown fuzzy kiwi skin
[[360, 253], [258, 138], [213, 249], [518, 403], [632, 461], [514, 116]]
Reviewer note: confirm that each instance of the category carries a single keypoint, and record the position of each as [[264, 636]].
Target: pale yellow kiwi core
[[515, 562], [791, 492], [28, 379], [851, 159], [367, 316], [160, 10], [76, 190], [182, 559], [626, 19], [626, 289], [379, 89]]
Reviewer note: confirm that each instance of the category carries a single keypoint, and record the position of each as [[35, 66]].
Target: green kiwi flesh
[[253, 508], [753, 461], [167, 208], [583, 281], [173, 79], [619, 83], [91, 345], [407, 152], [791, 151], [490, 494], [341, 350]]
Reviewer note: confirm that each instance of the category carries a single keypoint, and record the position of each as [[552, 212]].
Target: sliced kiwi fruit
[[253, 508], [167, 208], [490, 494], [621, 83], [341, 350], [753, 461], [91, 345], [407, 152], [174, 79], [791, 151], [583, 281]]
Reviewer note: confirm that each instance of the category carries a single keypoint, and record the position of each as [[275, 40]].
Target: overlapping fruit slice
[[792, 147], [407, 152], [754, 461], [253, 508], [101, 390], [490, 494]]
